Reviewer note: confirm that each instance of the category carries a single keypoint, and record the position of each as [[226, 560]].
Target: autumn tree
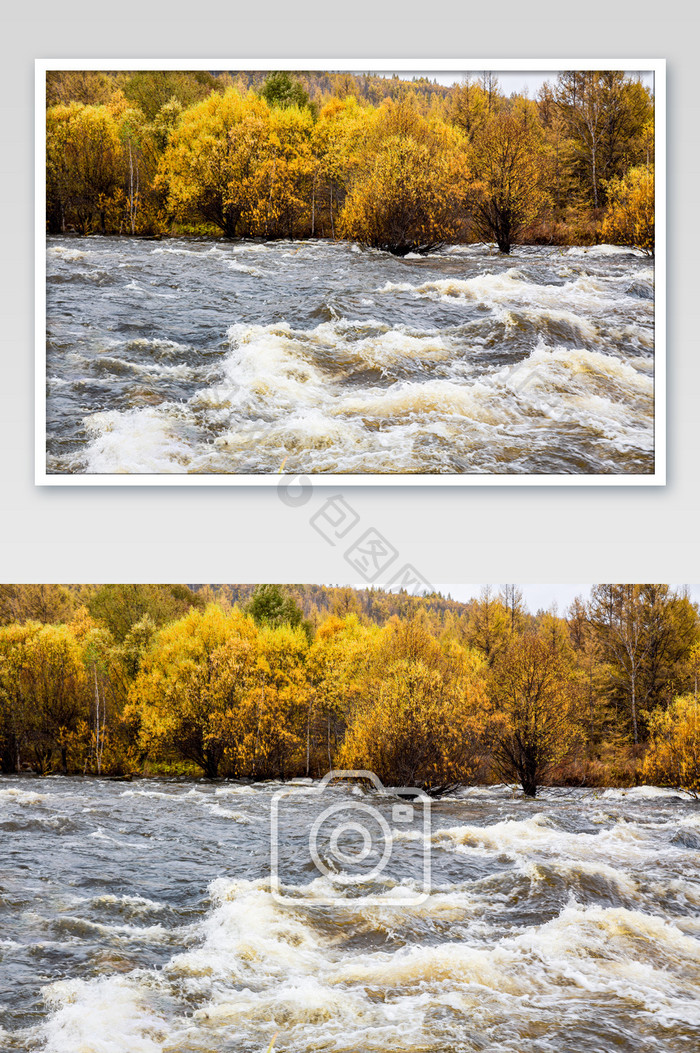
[[338, 140], [271, 605], [489, 624], [336, 667], [89, 87], [188, 693], [216, 156], [530, 688], [136, 198], [43, 691], [509, 191], [468, 106], [83, 158], [673, 757], [120, 607], [281, 90], [40, 603], [644, 633], [150, 90], [281, 207], [629, 218], [604, 114], [410, 194], [424, 718], [272, 714], [512, 599], [422, 729]]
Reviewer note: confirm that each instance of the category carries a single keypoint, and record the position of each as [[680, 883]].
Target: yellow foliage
[[270, 712], [510, 176], [410, 192], [83, 155], [187, 694], [216, 159], [424, 716], [336, 665], [282, 194], [42, 686], [629, 219], [531, 687], [673, 758]]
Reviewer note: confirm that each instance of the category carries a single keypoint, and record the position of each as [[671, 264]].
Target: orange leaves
[[530, 686], [410, 198], [510, 185], [423, 715]]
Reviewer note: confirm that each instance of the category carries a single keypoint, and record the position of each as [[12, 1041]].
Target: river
[[210, 357], [138, 918]]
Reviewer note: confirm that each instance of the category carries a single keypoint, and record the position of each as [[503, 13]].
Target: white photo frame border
[[388, 65]]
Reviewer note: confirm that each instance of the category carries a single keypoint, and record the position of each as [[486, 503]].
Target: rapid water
[[138, 918], [192, 356]]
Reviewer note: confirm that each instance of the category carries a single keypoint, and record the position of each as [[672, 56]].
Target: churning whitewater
[[193, 356], [139, 918]]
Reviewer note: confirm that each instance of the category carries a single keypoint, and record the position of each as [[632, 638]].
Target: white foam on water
[[150, 793], [478, 249], [387, 348], [645, 793], [623, 882], [604, 250], [127, 933], [137, 440], [614, 933], [260, 966], [248, 934], [242, 268], [171, 250], [15, 795], [586, 294], [65, 252], [101, 835], [161, 348], [305, 398], [582, 325], [268, 364], [152, 370], [109, 1015], [225, 813], [624, 844], [419, 398]]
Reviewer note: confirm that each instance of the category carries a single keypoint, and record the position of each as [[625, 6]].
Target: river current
[[210, 357], [139, 918]]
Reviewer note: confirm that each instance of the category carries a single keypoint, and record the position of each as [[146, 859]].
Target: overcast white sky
[[512, 80], [541, 596]]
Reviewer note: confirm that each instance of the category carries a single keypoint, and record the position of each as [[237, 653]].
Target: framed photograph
[[443, 823], [376, 272]]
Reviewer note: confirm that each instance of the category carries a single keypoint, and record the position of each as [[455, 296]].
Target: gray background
[[448, 534]]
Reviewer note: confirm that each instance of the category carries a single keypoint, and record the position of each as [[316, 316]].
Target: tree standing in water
[[530, 689], [508, 165]]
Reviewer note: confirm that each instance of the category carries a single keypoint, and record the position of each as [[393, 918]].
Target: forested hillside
[[390, 163], [276, 681]]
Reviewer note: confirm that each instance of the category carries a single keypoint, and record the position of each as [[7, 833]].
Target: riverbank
[[554, 238]]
